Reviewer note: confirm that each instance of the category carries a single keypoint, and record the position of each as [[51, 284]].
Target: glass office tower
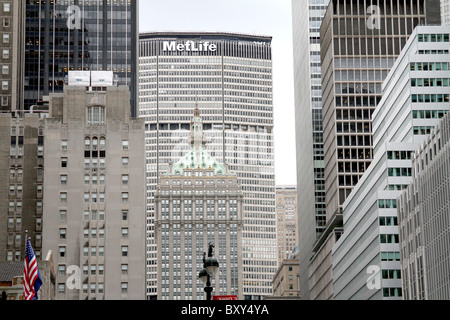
[[63, 35], [230, 76]]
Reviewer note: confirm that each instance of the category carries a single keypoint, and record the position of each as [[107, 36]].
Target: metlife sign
[[189, 46]]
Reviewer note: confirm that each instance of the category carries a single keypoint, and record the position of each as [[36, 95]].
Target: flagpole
[[26, 239]]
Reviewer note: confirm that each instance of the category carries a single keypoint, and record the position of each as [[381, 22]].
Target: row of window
[[387, 203], [93, 163], [433, 37], [399, 172], [388, 221], [423, 130], [95, 288], [429, 66], [389, 238], [430, 98], [430, 82], [400, 155], [429, 114]]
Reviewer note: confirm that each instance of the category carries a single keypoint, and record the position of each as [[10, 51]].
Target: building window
[[124, 287], [125, 197], [124, 269], [6, 7], [125, 233], [62, 233], [124, 251], [125, 179], [62, 270], [62, 252], [64, 162], [125, 145], [63, 179], [96, 115]]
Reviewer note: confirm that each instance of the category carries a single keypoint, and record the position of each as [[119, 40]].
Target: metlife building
[[229, 77]]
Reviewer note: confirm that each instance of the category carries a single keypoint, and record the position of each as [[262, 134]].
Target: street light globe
[[211, 265], [203, 275]]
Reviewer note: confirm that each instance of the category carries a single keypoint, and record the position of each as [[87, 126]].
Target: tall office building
[[307, 17], [423, 219], [77, 35], [94, 191], [12, 19], [198, 202], [359, 43], [287, 216], [21, 183], [230, 75], [366, 259]]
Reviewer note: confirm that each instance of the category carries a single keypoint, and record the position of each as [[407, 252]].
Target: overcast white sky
[[255, 17]]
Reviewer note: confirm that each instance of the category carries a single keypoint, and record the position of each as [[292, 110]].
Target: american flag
[[31, 277]]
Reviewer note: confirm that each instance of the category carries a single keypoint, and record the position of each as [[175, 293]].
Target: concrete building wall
[[21, 182], [95, 202]]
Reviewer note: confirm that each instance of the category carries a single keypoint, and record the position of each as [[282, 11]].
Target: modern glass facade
[[64, 35], [230, 76]]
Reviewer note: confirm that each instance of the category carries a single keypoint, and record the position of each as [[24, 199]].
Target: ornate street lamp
[[210, 267]]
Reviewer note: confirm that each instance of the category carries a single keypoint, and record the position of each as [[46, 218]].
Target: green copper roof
[[197, 157], [203, 161]]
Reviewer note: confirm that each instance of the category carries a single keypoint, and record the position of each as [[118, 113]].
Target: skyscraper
[[94, 192], [12, 19], [21, 183], [198, 202], [307, 17], [230, 75], [366, 259], [80, 35], [359, 42]]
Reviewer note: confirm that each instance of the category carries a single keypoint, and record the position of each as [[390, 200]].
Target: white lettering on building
[[189, 46]]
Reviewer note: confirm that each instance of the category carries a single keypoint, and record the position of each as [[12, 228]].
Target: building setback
[[198, 202], [366, 259], [77, 35], [424, 219], [230, 75], [94, 195]]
